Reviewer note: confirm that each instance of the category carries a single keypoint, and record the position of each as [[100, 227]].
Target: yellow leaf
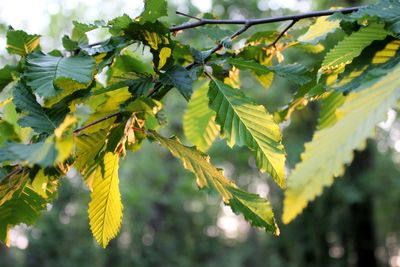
[[105, 208]]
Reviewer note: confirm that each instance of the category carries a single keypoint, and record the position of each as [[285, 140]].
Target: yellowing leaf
[[256, 210], [319, 30], [105, 207], [332, 146], [199, 120], [245, 123]]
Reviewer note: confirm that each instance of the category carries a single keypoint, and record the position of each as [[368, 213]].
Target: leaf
[[42, 153], [40, 119], [368, 66], [351, 46], [88, 148], [154, 9], [387, 11], [255, 209], [118, 25], [21, 43], [51, 76], [245, 123], [180, 78], [335, 143], [6, 76], [25, 206], [199, 120], [105, 207], [293, 72], [157, 36], [10, 185], [319, 30]]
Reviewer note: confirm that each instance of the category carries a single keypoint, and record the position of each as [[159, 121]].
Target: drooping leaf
[[199, 120], [319, 30], [350, 47], [24, 207], [8, 186], [154, 9], [180, 78], [40, 119], [51, 76], [256, 210], [21, 43], [245, 123], [334, 144], [105, 207]]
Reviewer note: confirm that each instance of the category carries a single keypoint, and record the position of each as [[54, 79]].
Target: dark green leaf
[[180, 78]]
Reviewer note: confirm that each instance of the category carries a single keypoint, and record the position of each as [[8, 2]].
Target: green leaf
[[154, 9], [370, 65], [41, 153], [199, 120], [21, 43], [319, 30], [51, 76], [10, 185], [351, 46], [387, 11], [294, 72], [105, 207], [245, 123], [157, 36], [335, 143], [118, 25], [40, 119], [180, 78], [25, 206], [6, 76], [255, 209]]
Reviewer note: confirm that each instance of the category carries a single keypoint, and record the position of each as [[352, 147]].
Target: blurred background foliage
[[168, 221]]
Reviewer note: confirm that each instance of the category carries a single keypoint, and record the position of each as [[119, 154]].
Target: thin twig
[[77, 131], [282, 33], [253, 22], [187, 15]]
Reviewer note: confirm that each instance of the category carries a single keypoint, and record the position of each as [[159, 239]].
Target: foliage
[[58, 115]]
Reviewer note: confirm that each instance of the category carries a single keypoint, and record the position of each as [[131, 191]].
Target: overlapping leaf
[[332, 146], [105, 207], [255, 209], [21, 43], [245, 123], [349, 48], [51, 76], [40, 119], [319, 30], [180, 78], [199, 120]]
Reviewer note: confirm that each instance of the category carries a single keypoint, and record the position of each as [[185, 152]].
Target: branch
[[77, 131], [252, 22], [282, 33]]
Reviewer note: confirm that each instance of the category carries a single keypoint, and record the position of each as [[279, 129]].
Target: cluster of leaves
[[55, 114]]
